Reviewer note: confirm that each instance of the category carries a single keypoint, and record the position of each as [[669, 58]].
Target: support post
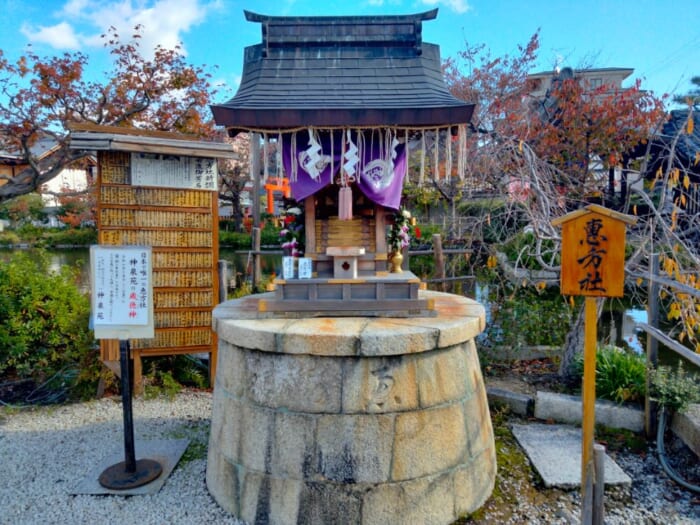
[[588, 423], [439, 261], [257, 270], [650, 406], [599, 485], [129, 473], [222, 267], [255, 175]]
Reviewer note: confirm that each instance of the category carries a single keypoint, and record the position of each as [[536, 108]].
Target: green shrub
[[522, 248], [9, 239], [166, 375], [674, 389], [620, 374], [270, 234], [517, 318], [235, 240], [71, 237], [29, 233], [44, 324]]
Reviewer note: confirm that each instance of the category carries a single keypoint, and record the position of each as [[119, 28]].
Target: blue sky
[[660, 42]]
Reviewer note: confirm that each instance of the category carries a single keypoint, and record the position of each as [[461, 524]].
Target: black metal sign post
[[128, 474]]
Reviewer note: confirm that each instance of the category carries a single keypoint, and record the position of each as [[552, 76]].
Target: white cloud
[[458, 6], [163, 21], [59, 36], [74, 7]]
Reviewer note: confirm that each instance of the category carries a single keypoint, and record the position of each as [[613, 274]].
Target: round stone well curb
[[350, 420]]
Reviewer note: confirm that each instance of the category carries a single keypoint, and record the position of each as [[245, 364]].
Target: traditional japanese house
[[346, 98]]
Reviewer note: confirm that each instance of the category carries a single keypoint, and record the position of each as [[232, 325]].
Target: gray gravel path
[[46, 452]]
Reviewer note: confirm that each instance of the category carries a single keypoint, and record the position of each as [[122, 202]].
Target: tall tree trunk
[[573, 346]]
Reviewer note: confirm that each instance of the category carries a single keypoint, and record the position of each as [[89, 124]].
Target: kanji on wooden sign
[[593, 252]]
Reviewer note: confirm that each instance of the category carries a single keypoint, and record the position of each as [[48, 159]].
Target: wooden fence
[[656, 336]]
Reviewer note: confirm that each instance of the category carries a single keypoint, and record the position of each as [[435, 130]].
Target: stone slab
[[568, 409], [520, 404], [555, 452], [454, 320], [687, 427], [166, 452]]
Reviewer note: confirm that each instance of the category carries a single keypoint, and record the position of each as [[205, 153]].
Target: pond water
[[621, 326]]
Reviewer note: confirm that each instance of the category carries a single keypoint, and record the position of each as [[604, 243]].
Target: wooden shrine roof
[[93, 137], [347, 71]]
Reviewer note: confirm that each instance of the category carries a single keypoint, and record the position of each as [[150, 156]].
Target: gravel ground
[[45, 452]]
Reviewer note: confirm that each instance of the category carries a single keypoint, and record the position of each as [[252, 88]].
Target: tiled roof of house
[[39, 149], [686, 146], [342, 71]]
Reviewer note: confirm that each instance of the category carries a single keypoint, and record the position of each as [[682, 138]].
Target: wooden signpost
[[592, 265]]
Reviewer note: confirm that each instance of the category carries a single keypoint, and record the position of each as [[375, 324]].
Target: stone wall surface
[[318, 421]]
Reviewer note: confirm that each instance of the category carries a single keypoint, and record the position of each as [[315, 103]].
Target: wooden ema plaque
[[181, 226], [593, 252]]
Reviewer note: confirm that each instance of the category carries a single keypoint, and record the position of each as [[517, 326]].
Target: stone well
[[350, 420]]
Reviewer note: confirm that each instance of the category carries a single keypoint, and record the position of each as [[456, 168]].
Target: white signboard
[[122, 292], [304, 268], [173, 171], [288, 267]]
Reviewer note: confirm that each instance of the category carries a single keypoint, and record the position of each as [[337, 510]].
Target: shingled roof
[[350, 71]]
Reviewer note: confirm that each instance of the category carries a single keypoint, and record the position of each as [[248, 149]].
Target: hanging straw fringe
[[448, 156], [405, 145], [332, 155], [293, 155], [421, 179], [436, 155], [384, 138], [278, 156], [462, 152], [266, 160]]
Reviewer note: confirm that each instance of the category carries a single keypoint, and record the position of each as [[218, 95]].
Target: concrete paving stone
[[520, 404], [555, 452], [687, 427], [568, 409], [167, 452]]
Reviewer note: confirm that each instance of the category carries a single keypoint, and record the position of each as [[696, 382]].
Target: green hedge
[[49, 237], [269, 236], [44, 325]]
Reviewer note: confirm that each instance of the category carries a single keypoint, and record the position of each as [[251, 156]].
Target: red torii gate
[[276, 184]]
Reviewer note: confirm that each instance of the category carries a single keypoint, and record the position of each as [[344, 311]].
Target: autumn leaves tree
[[40, 97], [548, 156]]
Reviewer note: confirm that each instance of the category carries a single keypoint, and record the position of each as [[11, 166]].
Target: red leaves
[[44, 94]]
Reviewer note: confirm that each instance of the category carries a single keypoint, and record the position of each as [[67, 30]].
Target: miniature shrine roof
[[347, 71], [93, 137]]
